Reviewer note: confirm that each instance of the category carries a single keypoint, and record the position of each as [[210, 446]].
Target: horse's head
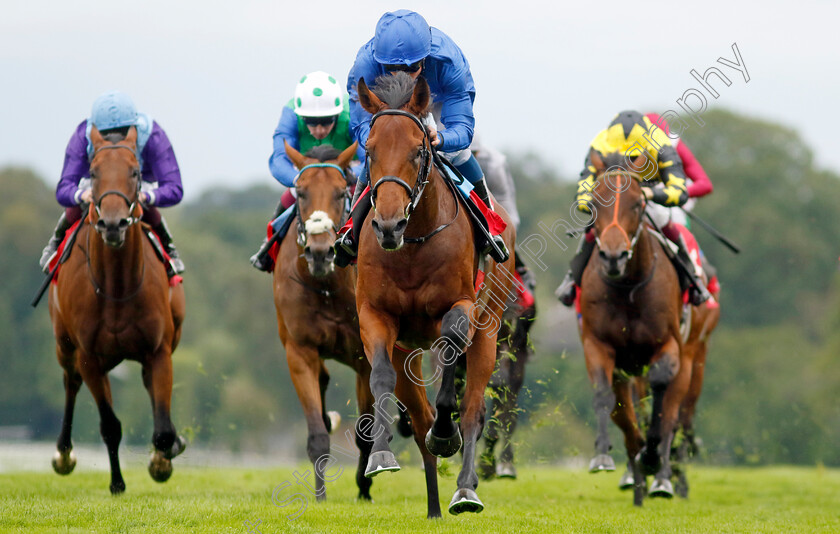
[[398, 152], [115, 183], [618, 206], [321, 190]]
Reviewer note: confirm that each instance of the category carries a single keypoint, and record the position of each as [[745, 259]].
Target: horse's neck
[[643, 258], [117, 270]]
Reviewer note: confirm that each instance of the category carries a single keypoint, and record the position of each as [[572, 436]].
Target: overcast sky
[[548, 74]]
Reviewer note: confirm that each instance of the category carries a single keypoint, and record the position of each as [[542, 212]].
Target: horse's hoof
[[661, 488], [404, 425], [681, 487], [602, 462], [465, 500], [486, 467], [63, 464], [506, 470], [627, 481], [178, 446], [160, 467], [335, 420], [117, 488], [444, 447], [379, 462]]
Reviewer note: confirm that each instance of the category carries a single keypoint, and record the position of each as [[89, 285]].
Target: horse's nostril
[[375, 225], [400, 226], [624, 254], [124, 223], [602, 254], [100, 225]]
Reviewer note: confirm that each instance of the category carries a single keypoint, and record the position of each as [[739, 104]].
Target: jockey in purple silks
[[114, 112]]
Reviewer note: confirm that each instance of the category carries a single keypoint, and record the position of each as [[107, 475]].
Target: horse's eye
[[301, 195]]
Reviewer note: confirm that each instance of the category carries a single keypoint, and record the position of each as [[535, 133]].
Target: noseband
[[132, 204], [416, 192], [301, 230]]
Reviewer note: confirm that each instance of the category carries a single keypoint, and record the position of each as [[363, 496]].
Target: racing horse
[[112, 301], [316, 303], [417, 268], [513, 353], [630, 305]]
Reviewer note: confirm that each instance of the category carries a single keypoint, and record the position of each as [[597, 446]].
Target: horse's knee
[[382, 374], [455, 326], [662, 371]]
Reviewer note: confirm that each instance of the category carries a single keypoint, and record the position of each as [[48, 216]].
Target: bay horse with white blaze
[[630, 306], [112, 301], [417, 267], [316, 304]]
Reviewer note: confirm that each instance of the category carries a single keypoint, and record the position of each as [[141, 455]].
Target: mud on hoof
[[627, 482], [63, 464], [681, 486], [506, 470], [379, 462], [465, 500], [661, 488], [444, 447], [650, 462], [602, 462], [160, 467]]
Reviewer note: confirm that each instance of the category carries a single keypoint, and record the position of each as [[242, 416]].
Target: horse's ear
[[346, 155], [294, 155], [369, 101], [420, 98], [96, 138], [597, 162], [131, 136], [639, 162]]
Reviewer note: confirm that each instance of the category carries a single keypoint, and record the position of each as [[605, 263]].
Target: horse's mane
[[113, 137], [323, 152], [394, 89], [615, 159]]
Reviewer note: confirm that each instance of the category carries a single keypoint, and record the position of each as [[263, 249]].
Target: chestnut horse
[[417, 267], [316, 304], [630, 325], [113, 302]]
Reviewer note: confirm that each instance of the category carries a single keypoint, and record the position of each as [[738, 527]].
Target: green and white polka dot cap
[[318, 95]]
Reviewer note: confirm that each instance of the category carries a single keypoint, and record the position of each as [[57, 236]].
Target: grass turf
[[543, 499]]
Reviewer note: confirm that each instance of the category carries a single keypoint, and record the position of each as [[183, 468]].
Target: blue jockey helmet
[[402, 37], [113, 109]]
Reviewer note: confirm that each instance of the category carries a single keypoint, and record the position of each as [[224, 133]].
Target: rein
[[428, 154], [98, 288]]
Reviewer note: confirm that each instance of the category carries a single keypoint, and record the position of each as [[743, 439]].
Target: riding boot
[[261, 260], [697, 292], [499, 252], [345, 247], [567, 290], [52, 247], [176, 266]]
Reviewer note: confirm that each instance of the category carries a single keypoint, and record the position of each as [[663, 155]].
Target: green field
[[543, 499]]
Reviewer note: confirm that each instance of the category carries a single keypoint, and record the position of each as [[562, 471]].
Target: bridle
[[414, 193], [631, 242], [132, 204], [301, 227]]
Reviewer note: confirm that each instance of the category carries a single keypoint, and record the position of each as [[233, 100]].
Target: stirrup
[[344, 250], [566, 291], [497, 249]]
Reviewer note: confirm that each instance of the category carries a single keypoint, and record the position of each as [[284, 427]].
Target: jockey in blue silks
[[404, 42]]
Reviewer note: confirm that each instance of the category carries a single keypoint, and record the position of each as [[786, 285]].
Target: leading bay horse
[[630, 325], [417, 267], [113, 302], [316, 303]]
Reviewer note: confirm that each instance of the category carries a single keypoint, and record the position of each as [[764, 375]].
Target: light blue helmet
[[402, 37], [113, 109]]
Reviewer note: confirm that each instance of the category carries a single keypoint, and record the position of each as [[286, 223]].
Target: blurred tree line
[[771, 381]]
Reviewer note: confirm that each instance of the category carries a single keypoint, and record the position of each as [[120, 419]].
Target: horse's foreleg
[[379, 333], [157, 377], [600, 364], [305, 370], [417, 405], [669, 376], [109, 426], [510, 417], [487, 460], [481, 359], [364, 400], [624, 416], [444, 439], [64, 460]]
